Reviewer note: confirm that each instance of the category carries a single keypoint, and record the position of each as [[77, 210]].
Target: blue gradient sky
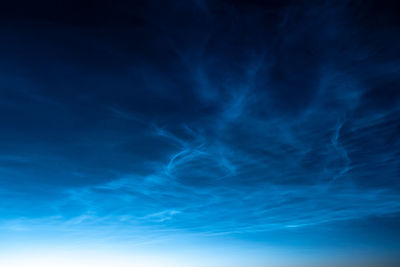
[[200, 133]]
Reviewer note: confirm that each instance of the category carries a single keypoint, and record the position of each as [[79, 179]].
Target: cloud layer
[[214, 118]]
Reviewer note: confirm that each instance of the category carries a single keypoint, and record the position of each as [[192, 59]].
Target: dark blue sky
[[249, 124]]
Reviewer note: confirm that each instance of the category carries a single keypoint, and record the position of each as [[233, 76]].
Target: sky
[[200, 133]]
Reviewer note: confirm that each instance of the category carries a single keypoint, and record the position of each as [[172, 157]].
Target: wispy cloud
[[211, 119]]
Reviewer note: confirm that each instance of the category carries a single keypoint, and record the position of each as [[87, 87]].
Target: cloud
[[214, 119]]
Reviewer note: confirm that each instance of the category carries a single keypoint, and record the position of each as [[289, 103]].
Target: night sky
[[200, 133]]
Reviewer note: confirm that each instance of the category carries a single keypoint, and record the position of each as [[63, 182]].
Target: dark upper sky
[[272, 122]]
